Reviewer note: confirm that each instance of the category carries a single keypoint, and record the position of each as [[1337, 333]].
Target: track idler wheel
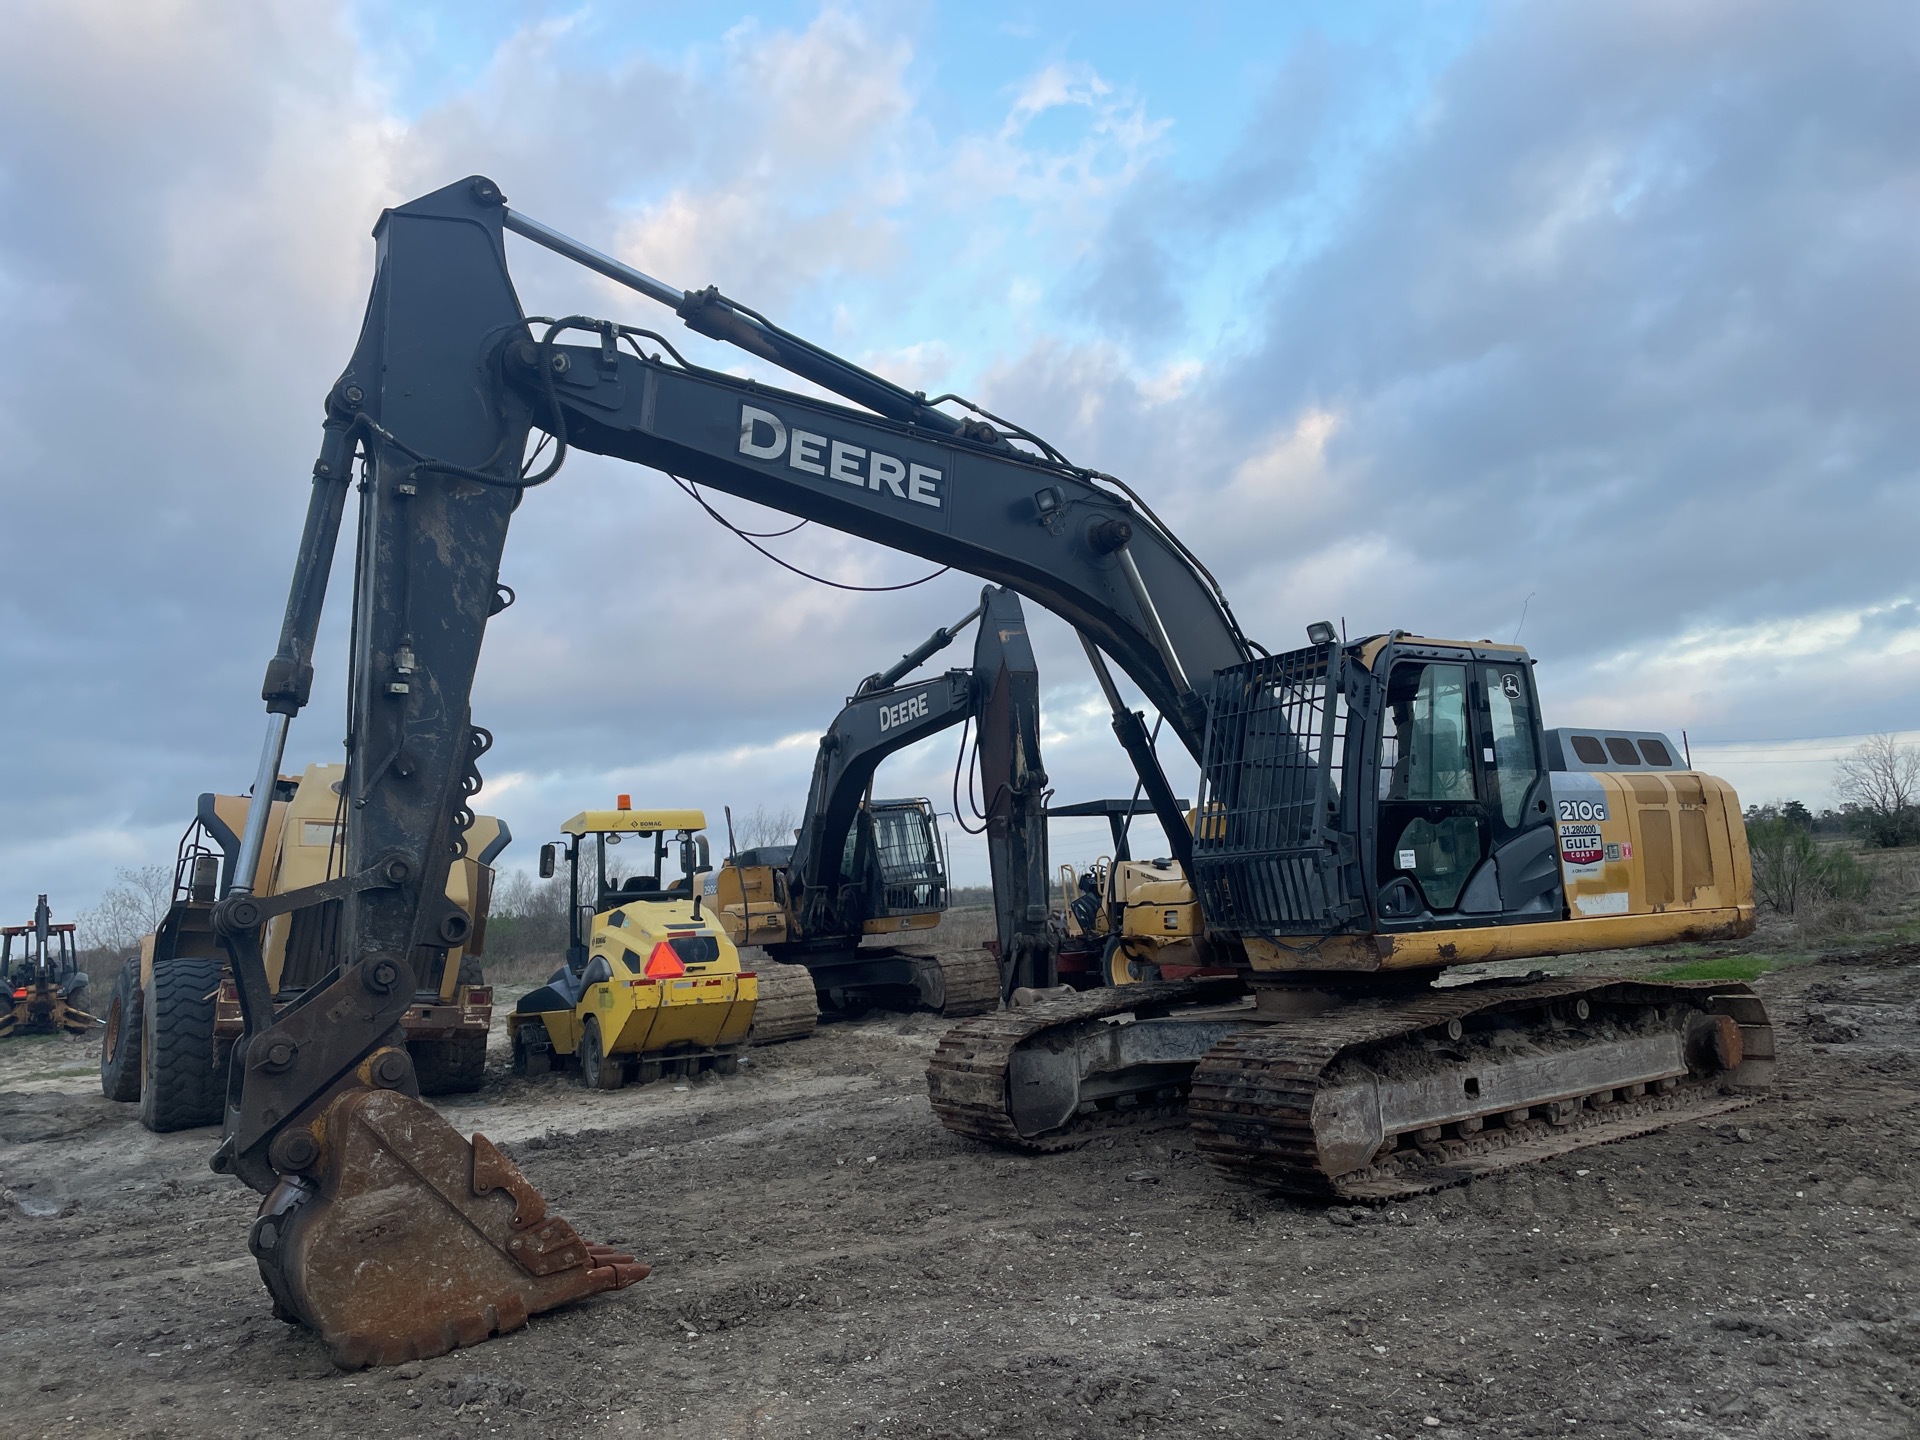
[[399, 1240]]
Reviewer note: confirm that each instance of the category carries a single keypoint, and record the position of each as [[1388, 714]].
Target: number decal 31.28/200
[[1583, 809]]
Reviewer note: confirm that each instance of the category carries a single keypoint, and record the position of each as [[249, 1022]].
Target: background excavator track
[[967, 1078], [786, 1008], [969, 983]]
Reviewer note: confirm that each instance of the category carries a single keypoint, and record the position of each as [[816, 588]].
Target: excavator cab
[[1396, 803], [894, 851]]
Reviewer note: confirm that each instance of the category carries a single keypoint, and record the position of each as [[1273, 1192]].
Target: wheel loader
[[174, 1013], [652, 983], [1372, 814], [43, 990]]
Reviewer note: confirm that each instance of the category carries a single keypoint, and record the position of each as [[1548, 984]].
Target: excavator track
[[969, 983], [787, 1008], [1502, 1075], [967, 1079]]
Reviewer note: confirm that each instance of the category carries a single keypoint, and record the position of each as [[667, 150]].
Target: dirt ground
[[828, 1261]]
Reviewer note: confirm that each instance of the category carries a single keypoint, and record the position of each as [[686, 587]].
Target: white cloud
[[1584, 328]]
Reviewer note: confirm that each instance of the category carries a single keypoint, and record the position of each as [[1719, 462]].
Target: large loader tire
[[181, 1085], [455, 1065], [120, 1045]]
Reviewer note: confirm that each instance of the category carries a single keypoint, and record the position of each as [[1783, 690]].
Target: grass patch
[[1721, 967]]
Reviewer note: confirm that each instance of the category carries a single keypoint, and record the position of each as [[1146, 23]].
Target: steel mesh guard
[[911, 877], [1268, 849]]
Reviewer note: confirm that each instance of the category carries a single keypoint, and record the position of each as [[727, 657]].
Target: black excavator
[[861, 867], [1371, 813]]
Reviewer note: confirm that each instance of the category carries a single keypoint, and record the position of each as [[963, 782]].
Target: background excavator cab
[[894, 853]]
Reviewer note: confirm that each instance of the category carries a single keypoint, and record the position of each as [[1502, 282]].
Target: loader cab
[[894, 856]]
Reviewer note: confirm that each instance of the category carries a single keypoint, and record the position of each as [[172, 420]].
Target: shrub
[[1791, 868]]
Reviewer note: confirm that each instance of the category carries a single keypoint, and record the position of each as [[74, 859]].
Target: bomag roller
[[652, 983], [174, 1013], [44, 988]]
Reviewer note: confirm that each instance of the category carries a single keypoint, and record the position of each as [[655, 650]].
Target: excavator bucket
[[401, 1240]]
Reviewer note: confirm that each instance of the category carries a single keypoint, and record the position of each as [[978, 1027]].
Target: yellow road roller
[[652, 984]]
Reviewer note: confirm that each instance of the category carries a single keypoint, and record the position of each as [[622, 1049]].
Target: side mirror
[[546, 862]]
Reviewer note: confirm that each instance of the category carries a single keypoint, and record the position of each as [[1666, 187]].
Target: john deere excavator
[[862, 868], [1371, 813], [43, 990]]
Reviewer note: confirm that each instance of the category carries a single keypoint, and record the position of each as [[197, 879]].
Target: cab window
[[1425, 743], [1513, 763]]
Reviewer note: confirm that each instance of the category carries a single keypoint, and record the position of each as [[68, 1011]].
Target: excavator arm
[[1001, 696], [448, 383]]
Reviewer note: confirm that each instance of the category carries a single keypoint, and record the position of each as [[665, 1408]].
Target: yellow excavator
[[43, 990], [651, 984], [174, 1012], [1372, 814]]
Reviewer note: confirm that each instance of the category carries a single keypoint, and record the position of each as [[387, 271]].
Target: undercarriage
[[1366, 1092]]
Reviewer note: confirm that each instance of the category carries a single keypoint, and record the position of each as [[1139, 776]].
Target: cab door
[[1463, 830], [1431, 825]]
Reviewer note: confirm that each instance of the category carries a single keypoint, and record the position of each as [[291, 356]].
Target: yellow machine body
[[1153, 908], [750, 901], [653, 980], [301, 848], [708, 1007], [1669, 863]]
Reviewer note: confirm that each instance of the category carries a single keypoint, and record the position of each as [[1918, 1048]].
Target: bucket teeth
[[409, 1241]]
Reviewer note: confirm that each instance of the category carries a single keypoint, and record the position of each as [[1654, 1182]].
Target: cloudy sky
[[1588, 322]]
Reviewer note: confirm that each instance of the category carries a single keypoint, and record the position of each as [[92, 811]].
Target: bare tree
[[520, 896], [133, 906], [1882, 778], [765, 827]]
